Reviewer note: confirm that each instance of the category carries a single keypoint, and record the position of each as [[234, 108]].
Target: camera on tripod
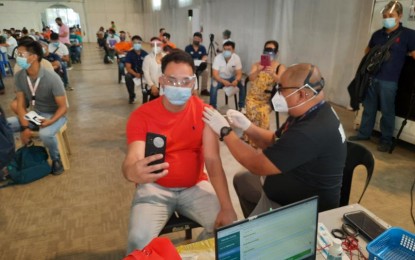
[[211, 37]]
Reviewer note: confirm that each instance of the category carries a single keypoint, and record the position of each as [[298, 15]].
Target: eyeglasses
[[22, 54], [280, 88], [186, 82]]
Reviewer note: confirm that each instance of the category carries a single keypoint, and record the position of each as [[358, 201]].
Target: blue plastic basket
[[395, 243]]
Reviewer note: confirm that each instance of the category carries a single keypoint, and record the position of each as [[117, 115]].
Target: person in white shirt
[[57, 47], [227, 72], [112, 39], [10, 43], [152, 67]]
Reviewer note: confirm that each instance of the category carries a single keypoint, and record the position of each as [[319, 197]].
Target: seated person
[[122, 48], [182, 185], [134, 66], [263, 81], [152, 67], [198, 52], [55, 60], [56, 47], [227, 72], [3, 48], [2, 88], [112, 39], [76, 46], [44, 92], [303, 158], [10, 44], [166, 41]]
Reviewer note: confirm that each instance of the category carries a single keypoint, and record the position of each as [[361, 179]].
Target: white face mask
[[279, 102]]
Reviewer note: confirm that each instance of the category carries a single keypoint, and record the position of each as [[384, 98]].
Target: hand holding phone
[[265, 60], [155, 144]]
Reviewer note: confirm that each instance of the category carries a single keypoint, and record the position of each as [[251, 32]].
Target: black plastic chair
[[180, 223], [357, 154], [199, 70]]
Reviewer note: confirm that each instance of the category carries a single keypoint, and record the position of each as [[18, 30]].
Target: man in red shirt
[[182, 185]]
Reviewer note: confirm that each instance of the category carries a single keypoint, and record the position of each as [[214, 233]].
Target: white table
[[333, 219]]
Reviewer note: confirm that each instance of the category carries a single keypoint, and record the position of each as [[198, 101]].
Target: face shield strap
[[313, 86]]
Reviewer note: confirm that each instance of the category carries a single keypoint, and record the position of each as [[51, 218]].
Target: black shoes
[[205, 92], [358, 138], [57, 167], [384, 147]]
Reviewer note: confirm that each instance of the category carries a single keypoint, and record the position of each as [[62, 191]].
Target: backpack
[[29, 164], [6, 141]]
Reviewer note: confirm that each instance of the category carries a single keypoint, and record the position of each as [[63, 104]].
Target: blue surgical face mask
[[227, 54], [137, 46], [177, 95], [56, 44], [22, 62], [389, 23], [272, 55]]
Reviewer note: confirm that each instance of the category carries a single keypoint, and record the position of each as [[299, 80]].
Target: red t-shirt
[[183, 131]]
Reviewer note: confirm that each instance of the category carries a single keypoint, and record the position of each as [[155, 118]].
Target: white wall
[[329, 33]]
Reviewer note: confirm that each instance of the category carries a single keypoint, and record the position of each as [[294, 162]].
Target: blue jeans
[[75, 52], [121, 66], [64, 66], [217, 85], [379, 94], [153, 205], [46, 134]]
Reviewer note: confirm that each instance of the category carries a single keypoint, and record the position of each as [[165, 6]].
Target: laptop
[[288, 232]]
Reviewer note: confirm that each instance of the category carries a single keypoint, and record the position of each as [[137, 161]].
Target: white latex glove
[[214, 119], [237, 119]]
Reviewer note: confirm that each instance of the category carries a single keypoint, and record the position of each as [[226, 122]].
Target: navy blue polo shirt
[[196, 55], [136, 60], [391, 69]]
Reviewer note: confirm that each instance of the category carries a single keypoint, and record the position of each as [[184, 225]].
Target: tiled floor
[[83, 213]]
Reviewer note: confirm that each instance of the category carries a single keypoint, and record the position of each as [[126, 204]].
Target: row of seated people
[[226, 68]]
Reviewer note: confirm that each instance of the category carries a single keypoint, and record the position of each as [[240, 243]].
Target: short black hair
[[198, 34], [110, 30], [161, 29], [25, 38], [275, 43], [58, 19], [136, 37], [167, 35], [33, 47], [229, 43], [54, 36], [167, 48], [25, 31], [154, 38], [177, 56], [122, 32]]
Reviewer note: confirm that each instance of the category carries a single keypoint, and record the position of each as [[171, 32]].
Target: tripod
[[211, 53]]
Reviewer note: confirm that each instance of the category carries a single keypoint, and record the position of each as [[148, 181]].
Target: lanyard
[[33, 89], [292, 120]]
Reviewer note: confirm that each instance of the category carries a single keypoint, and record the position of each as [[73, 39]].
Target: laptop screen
[[288, 232]]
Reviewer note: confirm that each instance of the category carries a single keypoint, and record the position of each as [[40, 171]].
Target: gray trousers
[[252, 198]]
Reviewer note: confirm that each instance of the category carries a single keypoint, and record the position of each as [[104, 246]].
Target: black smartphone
[[155, 144], [366, 225]]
